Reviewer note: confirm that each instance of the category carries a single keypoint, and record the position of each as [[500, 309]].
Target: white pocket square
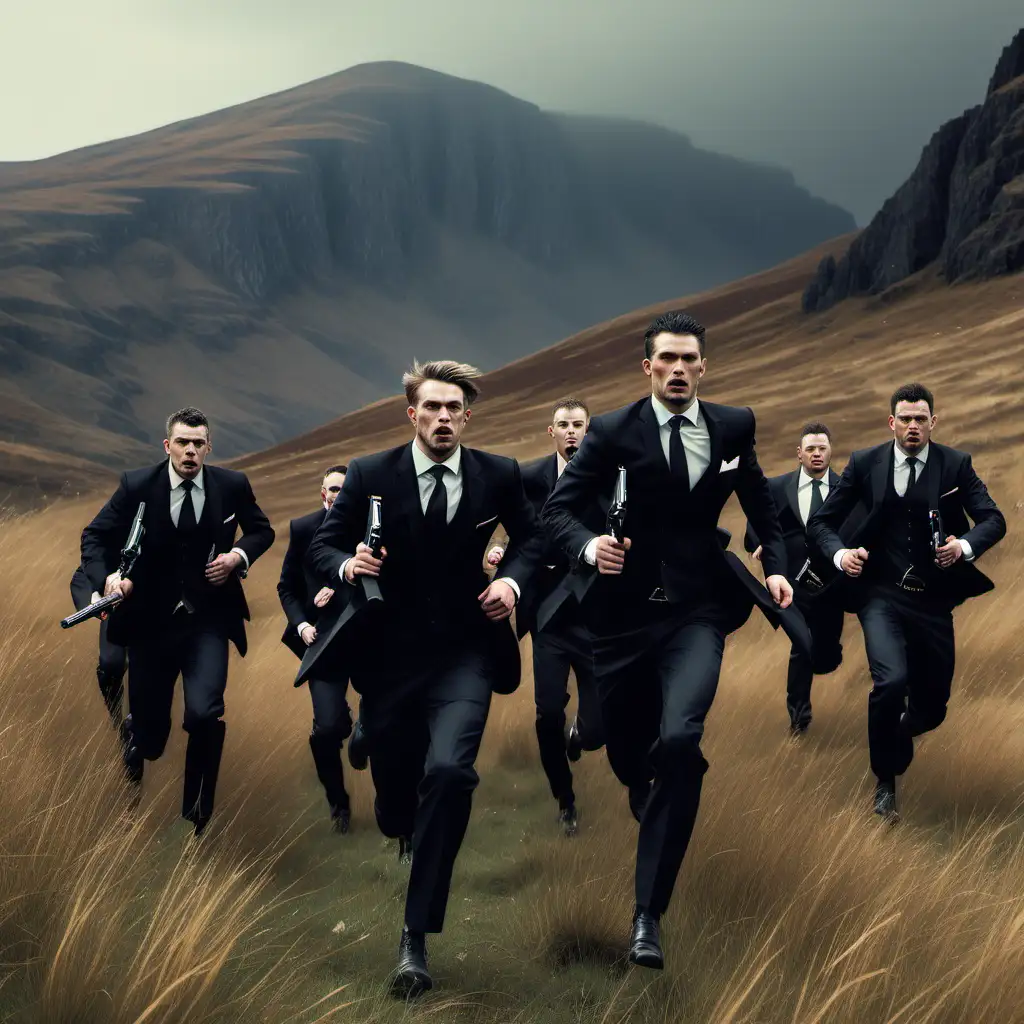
[[731, 464], [485, 522], [948, 493], [230, 517]]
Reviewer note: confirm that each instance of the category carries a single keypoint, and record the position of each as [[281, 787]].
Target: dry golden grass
[[794, 905]]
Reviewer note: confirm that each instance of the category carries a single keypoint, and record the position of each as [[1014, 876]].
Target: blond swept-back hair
[[447, 371]]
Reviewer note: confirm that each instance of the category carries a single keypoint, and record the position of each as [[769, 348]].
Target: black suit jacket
[[954, 488], [557, 578], [82, 589], [298, 584], [229, 505], [674, 534], [794, 533], [414, 589]]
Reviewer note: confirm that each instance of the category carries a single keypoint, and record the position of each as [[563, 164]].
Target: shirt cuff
[[244, 556], [303, 625], [589, 553], [968, 551], [837, 558], [341, 572], [512, 583]]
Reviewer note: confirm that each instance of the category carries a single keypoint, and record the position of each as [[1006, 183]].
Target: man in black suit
[[551, 612], [113, 658], [427, 659], [302, 597], [666, 597], [817, 585], [184, 601], [907, 586]]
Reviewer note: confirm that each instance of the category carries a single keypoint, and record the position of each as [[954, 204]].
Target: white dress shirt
[[198, 500], [694, 432], [900, 479], [805, 491], [696, 443], [452, 480]]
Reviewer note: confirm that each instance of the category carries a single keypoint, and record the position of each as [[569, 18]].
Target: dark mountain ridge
[[281, 261], [962, 209]]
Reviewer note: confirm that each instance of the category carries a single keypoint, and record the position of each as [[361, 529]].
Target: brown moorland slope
[[792, 906], [282, 259]]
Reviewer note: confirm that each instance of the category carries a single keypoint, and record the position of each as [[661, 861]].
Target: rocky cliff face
[[962, 208], [281, 261]]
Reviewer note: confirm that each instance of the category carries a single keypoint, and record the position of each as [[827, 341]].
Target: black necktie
[[816, 499], [677, 453], [437, 505], [912, 479], [187, 513]]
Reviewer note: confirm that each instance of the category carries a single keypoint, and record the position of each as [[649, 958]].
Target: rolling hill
[[792, 905], [279, 262]]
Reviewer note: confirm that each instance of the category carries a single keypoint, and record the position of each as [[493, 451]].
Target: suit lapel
[[470, 502], [408, 495], [791, 489], [716, 432], [881, 474], [213, 507], [650, 433], [933, 469], [553, 473], [161, 498]]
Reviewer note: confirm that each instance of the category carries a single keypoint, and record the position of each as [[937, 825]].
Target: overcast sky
[[843, 92]]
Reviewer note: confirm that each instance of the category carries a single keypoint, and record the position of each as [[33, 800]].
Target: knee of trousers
[[451, 777], [110, 673], [550, 718], [679, 751], [890, 690], [330, 733], [204, 721], [148, 745]]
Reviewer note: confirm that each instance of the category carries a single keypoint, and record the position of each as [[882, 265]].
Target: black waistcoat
[[904, 532]]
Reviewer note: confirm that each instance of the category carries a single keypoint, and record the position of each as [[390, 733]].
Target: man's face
[[912, 424], [330, 487], [439, 416], [814, 454], [567, 430], [187, 447], [675, 367]]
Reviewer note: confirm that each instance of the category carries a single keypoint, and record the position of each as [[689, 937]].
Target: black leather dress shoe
[[357, 753], [411, 976], [885, 800], [645, 942], [638, 796], [573, 743], [568, 820]]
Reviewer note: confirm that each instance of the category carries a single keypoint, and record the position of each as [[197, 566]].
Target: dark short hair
[[675, 322], [815, 427], [447, 371], [570, 403], [187, 417], [912, 393], [334, 469]]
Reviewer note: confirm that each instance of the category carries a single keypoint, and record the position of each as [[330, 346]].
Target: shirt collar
[[664, 414], [806, 479], [560, 462], [177, 481], [901, 456], [424, 464]]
